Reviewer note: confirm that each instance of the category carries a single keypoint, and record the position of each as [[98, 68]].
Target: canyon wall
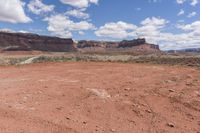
[[26, 41], [29, 42], [125, 45]]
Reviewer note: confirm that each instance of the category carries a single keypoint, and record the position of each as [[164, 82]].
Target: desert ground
[[99, 97]]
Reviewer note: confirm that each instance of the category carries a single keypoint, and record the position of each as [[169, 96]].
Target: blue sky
[[173, 24]]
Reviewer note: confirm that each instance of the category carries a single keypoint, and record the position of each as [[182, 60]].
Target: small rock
[[113, 130], [189, 76], [171, 90], [148, 110], [170, 125], [126, 95], [168, 81], [84, 122], [132, 121], [189, 84], [67, 118], [197, 93], [59, 108], [127, 89]]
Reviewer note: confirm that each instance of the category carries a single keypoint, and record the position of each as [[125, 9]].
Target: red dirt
[[99, 98]]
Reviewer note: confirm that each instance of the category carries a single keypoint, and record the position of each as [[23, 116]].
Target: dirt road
[[99, 98]]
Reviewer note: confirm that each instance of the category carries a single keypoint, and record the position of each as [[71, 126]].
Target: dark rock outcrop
[[96, 44], [131, 43], [27, 42]]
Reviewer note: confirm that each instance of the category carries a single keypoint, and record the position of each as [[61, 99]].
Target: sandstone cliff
[[125, 45], [24, 41], [28, 42]]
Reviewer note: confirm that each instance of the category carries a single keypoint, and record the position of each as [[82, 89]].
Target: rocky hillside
[[27, 41], [125, 45]]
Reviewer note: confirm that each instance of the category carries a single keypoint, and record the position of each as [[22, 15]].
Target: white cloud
[[192, 14], [117, 30], [79, 3], [153, 29], [37, 7], [120, 30], [180, 1], [157, 22], [181, 12], [7, 30], [138, 9], [154, 1], [62, 26], [13, 11], [190, 37], [13, 31], [81, 33], [195, 26], [192, 2], [77, 13]]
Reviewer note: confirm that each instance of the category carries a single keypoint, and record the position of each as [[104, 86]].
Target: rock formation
[[27, 41], [96, 44], [125, 45]]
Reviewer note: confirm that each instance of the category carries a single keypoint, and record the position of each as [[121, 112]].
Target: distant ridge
[[12, 41], [122, 46], [188, 50], [28, 41]]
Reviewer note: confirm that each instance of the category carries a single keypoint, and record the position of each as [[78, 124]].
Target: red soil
[[99, 98]]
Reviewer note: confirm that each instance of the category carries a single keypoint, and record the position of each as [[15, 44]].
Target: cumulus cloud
[[192, 14], [192, 2], [187, 39], [153, 29], [62, 26], [79, 3], [37, 7], [195, 26], [154, 22], [118, 30], [13, 11], [78, 13]]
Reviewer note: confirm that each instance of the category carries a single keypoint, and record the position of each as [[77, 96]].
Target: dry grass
[[184, 60]]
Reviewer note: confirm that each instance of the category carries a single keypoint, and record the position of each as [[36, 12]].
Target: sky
[[172, 24]]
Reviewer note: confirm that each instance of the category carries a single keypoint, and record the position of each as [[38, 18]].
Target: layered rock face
[[96, 44], [125, 45], [24, 41], [28, 42]]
